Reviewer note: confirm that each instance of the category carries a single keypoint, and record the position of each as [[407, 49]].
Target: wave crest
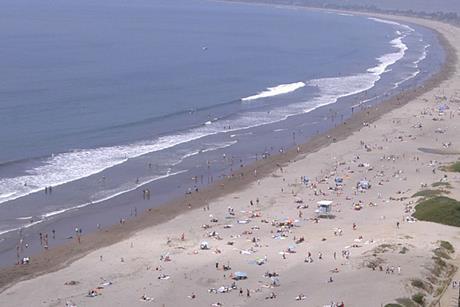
[[275, 91]]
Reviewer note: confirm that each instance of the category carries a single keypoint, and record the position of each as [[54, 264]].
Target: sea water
[[99, 98]]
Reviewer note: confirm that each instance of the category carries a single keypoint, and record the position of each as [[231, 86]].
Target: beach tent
[[324, 208], [260, 261], [338, 181], [326, 203], [442, 108], [364, 184], [275, 281], [204, 245], [305, 179], [240, 275]]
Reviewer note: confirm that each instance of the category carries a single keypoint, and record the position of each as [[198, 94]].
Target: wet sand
[[162, 220]]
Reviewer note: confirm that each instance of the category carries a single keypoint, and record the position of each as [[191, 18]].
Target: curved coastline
[[61, 256]]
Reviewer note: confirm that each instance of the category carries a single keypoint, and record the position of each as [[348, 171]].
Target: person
[[397, 224], [300, 297]]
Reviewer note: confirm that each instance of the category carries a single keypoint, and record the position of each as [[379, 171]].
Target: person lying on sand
[[145, 298], [300, 297], [271, 296]]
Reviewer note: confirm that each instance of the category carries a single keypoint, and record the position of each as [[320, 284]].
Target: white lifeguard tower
[[324, 209]]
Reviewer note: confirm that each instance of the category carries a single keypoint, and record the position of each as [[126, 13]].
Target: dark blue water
[[83, 74], [99, 97]]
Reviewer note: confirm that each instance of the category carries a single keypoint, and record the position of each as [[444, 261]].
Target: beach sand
[[147, 262]]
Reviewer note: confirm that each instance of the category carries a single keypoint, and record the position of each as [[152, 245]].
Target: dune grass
[[442, 184], [454, 167], [429, 193], [439, 209]]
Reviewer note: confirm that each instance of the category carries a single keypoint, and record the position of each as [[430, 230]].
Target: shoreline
[[64, 255]]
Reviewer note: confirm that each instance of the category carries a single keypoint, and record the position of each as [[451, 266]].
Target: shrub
[[419, 298], [439, 209], [417, 283], [447, 245]]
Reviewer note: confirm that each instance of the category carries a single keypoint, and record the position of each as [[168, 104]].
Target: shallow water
[[100, 98]]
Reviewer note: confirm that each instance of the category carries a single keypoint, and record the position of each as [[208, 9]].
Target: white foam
[[219, 146], [411, 76], [390, 58], [275, 91], [21, 227], [210, 147], [423, 55], [111, 194], [71, 166], [345, 14], [416, 65], [394, 23], [332, 89]]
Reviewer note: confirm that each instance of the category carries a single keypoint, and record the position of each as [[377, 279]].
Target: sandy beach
[[255, 239]]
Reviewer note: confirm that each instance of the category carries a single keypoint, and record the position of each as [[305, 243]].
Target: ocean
[[102, 98]]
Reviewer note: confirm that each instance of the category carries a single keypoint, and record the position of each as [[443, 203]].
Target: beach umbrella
[[204, 245], [275, 280], [240, 275]]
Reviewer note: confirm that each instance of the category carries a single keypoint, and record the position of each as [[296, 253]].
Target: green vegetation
[[439, 209], [417, 283], [442, 184], [429, 193], [406, 302], [383, 248], [403, 250], [447, 245], [419, 298], [454, 167], [393, 305], [430, 288], [441, 253]]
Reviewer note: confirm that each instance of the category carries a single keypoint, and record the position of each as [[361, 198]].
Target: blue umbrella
[[240, 275]]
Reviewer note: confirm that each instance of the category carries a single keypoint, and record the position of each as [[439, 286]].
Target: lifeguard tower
[[324, 209]]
